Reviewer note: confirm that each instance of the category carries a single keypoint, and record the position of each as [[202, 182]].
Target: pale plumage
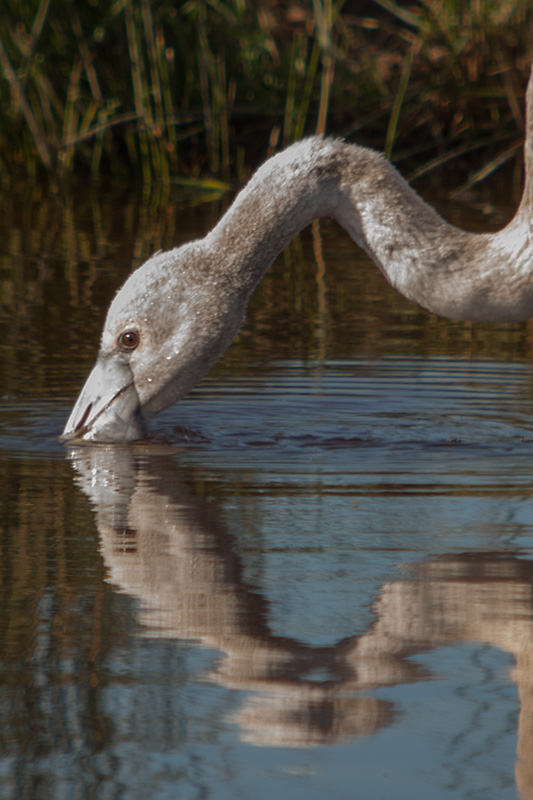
[[177, 314]]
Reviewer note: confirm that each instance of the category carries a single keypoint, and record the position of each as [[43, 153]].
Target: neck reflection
[[167, 547]]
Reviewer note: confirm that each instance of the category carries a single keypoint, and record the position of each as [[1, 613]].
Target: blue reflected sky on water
[[313, 580]]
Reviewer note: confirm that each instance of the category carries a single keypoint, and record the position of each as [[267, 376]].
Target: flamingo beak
[[108, 407]]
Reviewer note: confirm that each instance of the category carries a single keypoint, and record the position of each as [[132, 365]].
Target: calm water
[[314, 580]]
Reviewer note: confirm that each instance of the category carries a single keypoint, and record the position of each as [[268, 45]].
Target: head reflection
[[167, 547]]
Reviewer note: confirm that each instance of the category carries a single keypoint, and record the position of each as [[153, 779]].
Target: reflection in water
[[167, 547], [314, 522]]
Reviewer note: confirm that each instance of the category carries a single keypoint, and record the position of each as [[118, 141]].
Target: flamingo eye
[[128, 340]]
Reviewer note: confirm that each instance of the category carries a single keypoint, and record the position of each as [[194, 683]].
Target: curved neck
[[283, 197], [444, 269], [527, 197], [364, 193]]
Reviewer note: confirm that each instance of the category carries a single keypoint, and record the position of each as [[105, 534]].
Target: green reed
[[156, 89]]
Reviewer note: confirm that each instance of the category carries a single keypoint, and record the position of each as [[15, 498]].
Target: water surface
[[313, 579]]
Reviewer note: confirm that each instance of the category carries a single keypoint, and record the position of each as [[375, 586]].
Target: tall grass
[[155, 89]]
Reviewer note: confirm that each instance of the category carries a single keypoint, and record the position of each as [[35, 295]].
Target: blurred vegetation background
[[158, 90]]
